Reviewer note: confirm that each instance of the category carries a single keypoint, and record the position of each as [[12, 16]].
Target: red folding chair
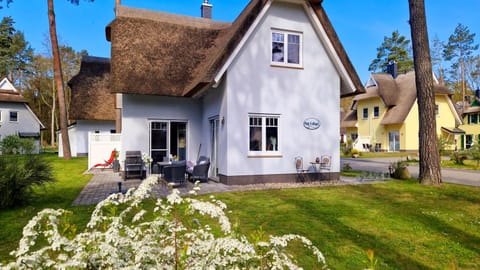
[[108, 163]]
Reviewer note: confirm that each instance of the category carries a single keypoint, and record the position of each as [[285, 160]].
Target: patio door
[[168, 138], [393, 141], [214, 123]]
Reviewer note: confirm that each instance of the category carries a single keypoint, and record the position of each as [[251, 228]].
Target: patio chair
[[108, 163], [175, 173], [199, 171], [325, 164], [300, 170]]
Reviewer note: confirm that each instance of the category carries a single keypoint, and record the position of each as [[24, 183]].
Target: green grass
[[60, 194], [468, 164], [409, 226], [383, 154]]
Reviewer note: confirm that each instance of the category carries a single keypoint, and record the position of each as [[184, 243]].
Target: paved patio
[[106, 182]]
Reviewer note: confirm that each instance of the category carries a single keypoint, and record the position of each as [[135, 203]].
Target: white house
[[92, 107], [252, 95], [16, 117]]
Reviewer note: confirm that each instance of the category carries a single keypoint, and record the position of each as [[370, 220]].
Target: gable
[[8, 93], [6, 85], [190, 54]]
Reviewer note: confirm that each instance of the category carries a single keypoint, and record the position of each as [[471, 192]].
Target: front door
[[214, 148], [168, 139], [393, 141]]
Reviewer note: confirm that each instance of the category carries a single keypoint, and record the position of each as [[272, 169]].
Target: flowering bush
[[123, 234], [146, 158]]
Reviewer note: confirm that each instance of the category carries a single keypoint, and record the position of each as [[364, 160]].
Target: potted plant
[[116, 162]]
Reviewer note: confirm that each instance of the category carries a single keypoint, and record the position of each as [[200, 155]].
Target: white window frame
[[264, 151], [1, 115], [10, 117], [285, 63]]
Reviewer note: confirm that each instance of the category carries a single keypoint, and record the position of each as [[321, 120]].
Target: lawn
[[409, 226], [60, 194]]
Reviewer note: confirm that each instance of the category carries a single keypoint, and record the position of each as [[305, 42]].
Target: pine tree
[[395, 48]]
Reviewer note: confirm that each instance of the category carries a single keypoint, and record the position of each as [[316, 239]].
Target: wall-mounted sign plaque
[[311, 123]]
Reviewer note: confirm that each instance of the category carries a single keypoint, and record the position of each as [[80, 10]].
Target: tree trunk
[[57, 70], [52, 115], [430, 173]]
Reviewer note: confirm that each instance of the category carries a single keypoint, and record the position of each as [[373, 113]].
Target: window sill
[[280, 65], [264, 155]]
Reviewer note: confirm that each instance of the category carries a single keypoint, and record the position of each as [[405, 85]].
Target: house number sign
[[311, 123]]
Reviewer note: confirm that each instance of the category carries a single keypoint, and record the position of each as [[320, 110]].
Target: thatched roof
[[91, 94], [350, 120], [8, 93], [10, 96], [398, 94], [157, 53]]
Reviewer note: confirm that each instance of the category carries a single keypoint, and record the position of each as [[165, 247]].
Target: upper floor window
[[263, 133], [286, 48], [13, 116], [365, 113], [376, 111], [474, 119], [437, 109]]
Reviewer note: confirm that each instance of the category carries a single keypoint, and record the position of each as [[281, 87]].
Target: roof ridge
[[160, 16]]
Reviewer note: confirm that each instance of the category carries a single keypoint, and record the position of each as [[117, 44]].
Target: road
[[463, 177]]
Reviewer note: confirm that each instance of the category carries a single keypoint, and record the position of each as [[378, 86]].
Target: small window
[[354, 136], [13, 116], [365, 113], [286, 48], [263, 133], [474, 118], [437, 109], [376, 112]]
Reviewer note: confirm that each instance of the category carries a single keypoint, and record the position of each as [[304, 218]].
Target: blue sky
[[360, 24]]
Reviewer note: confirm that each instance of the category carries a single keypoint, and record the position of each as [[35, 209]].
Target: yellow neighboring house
[[385, 118], [471, 125]]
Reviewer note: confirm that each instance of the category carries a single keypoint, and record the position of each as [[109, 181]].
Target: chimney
[[392, 68], [206, 10]]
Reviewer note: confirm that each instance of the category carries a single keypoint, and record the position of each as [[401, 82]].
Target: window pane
[[13, 116], [376, 111], [294, 49], [255, 138], [159, 135], [277, 47], [272, 139], [365, 113]]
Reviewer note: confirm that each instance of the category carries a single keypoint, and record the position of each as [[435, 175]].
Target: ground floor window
[[468, 141], [263, 133], [354, 136], [168, 139]]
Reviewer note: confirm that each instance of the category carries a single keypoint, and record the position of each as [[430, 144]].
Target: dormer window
[[13, 116], [286, 48]]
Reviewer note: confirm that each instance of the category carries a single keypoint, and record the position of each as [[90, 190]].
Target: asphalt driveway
[[463, 177]]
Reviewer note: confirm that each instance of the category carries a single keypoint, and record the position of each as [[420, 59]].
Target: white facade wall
[[254, 86], [26, 120], [139, 110], [78, 135]]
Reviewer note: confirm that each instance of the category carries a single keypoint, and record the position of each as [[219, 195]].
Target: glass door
[[214, 123], [168, 139], [393, 141]]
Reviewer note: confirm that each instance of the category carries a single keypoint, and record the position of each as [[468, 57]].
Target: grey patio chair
[[175, 173], [200, 170]]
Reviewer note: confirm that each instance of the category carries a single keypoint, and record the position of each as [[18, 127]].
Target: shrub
[[443, 145], [13, 144], [399, 170], [19, 174], [179, 233], [474, 152], [354, 152], [458, 157]]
